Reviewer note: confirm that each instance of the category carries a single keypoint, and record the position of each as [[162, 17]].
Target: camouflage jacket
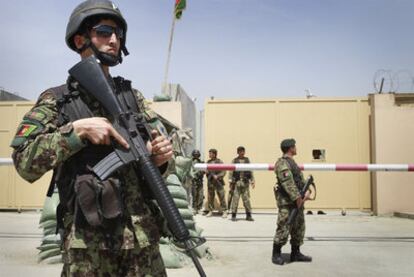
[[287, 188], [244, 176], [219, 173], [40, 145]]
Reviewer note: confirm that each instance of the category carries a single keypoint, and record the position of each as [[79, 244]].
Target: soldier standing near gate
[[215, 183], [287, 192], [197, 182], [241, 181]]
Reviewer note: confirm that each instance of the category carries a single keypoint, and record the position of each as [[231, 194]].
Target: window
[[318, 154]]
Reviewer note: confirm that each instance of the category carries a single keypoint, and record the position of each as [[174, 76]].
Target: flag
[[179, 7]]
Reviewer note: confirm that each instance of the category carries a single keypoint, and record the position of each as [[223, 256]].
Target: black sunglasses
[[106, 31]]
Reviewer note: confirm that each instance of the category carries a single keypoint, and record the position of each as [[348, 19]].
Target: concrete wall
[[181, 110], [392, 135], [338, 126]]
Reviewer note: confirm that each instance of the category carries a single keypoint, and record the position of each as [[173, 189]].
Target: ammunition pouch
[[98, 202]]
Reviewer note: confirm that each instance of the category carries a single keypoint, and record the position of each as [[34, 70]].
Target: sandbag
[[48, 246], [49, 208], [180, 203], [161, 98], [54, 238], [177, 192], [190, 224], [48, 253], [183, 167], [170, 258], [173, 180], [186, 214], [48, 223], [202, 251]]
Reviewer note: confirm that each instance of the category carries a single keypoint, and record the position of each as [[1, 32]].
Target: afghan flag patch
[[25, 130]]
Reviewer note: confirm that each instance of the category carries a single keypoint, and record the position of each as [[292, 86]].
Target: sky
[[225, 48]]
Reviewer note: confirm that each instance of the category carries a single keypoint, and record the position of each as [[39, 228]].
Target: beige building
[[392, 141], [376, 129], [349, 130], [338, 128]]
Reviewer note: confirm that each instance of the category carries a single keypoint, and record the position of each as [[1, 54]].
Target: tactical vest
[[246, 176], [92, 202], [297, 177]]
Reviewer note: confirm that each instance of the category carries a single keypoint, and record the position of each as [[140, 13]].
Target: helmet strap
[[85, 45], [104, 58]]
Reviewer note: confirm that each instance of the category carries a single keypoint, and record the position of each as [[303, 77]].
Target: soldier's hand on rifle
[[98, 130], [307, 195], [160, 148]]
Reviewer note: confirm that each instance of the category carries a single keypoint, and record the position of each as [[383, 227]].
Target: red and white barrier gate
[[6, 161], [313, 166]]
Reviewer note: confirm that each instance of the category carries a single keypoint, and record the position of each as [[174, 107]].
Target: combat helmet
[[91, 8], [195, 153]]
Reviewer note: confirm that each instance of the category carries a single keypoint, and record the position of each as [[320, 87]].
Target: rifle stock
[[90, 76]]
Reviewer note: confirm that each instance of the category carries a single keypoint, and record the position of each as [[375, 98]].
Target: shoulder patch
[[26, 129], [284, 174]]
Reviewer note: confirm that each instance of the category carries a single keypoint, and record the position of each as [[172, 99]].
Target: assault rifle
[[295, 211], [92, 80]]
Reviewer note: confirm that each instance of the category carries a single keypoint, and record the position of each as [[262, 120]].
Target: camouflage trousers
[[212, 188], [198, 195], [297, 230], [241, 190], [90, 262]]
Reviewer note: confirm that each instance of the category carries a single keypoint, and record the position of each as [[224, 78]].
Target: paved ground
[[352, 245]]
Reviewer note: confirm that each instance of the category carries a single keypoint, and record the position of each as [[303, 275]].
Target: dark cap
[[240, 148], [212, 150], [287, 143]]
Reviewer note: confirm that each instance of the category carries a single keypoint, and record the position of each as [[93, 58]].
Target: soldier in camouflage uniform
[[215, 183], [241, 180], [287, 192], [197, 183], [125, 241]]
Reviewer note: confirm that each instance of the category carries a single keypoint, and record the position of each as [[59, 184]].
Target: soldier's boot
[[297, 256], [210, 213], [249, 216], [277, 254], [224, 214], [233, 216]]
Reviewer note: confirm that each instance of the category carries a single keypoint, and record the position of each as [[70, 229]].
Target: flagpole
[[167, 65]]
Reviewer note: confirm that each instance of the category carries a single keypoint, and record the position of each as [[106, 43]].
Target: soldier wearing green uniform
[[287, 192], [110, 227], [241, 180], [197, 183], [215, 183]]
